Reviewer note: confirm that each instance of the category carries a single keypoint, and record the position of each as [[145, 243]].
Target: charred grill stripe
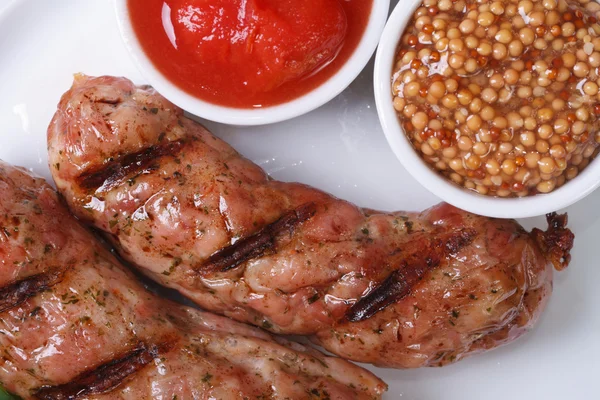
[[113, 173], [400, 282], [257, 244], [20, 291], [393, 288], [104, 378]]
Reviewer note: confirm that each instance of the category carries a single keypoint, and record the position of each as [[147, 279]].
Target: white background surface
[[340, 148]]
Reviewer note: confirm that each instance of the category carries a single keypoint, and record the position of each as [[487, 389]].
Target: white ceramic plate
[[340, 148]]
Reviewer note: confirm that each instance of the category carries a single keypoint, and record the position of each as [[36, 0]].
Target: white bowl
[[539, 204], [257, 116]]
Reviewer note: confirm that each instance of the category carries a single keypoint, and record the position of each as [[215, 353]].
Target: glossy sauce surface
[[249, 53]]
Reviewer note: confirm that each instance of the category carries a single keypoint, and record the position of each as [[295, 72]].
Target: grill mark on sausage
[[400, 282], [256, 245], [103, 378], [20, 291], [109, 175]]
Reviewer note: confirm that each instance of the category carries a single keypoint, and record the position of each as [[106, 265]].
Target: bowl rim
[[572, 191], [256, 116]]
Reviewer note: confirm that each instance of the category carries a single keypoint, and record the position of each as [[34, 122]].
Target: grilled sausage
[[74, 324], [394, 289]]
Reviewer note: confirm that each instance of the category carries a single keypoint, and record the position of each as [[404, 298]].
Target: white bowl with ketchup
[[251, 62]]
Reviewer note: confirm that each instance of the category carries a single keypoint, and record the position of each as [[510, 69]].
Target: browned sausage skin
[[394, 289], [74, 324]]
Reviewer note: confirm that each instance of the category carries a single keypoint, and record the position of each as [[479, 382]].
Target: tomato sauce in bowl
[[249, 53]]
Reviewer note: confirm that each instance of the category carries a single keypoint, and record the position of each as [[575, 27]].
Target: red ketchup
[[249, 53]]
